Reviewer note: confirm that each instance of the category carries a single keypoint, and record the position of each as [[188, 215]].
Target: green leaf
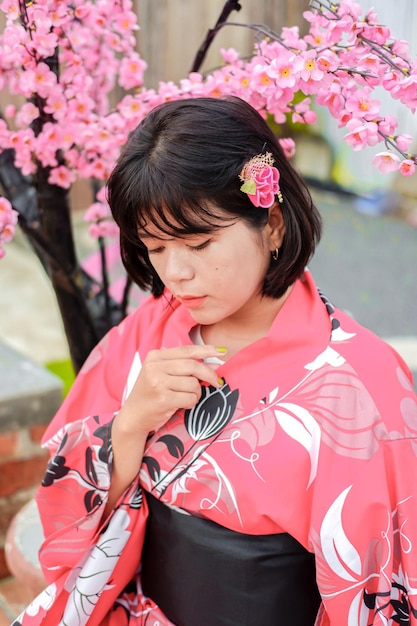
[[64, 371], [249, 186]]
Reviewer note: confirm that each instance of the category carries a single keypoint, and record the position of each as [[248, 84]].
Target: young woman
[[237, 451]]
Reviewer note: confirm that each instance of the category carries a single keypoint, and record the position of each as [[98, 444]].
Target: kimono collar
[[301, 322]]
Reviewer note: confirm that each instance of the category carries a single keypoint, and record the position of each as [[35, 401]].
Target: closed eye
[[196, 247], [201, 246], [155, 250]]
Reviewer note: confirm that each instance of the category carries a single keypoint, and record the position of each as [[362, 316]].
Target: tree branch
[[230, 5]]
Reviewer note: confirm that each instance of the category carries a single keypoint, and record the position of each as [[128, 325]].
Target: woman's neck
[[237, 332]]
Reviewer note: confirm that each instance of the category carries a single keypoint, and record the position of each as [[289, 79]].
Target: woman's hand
[[170, 379]]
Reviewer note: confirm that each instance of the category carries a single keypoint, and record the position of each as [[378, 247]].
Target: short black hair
[[183, 158]]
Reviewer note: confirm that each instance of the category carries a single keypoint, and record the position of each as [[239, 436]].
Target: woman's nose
[[178, 266]]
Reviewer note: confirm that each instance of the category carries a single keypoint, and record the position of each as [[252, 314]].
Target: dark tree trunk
[[67, 278], [45, 218], [229, 6]]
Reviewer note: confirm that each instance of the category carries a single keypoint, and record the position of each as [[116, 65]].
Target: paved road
[[367, 265]]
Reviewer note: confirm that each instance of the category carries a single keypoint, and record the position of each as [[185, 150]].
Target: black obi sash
[[202, 574]]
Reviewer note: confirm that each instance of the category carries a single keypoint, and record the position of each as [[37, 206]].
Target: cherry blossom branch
[[105, 277], [229, 7], [381, 52], [320, 5]]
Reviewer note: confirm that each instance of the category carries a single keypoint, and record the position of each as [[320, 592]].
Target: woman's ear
[[275, 227]]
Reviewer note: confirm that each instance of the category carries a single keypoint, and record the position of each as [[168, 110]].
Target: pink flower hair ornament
[[261, 180]]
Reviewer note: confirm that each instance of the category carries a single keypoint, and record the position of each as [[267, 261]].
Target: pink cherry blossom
[[42, 44], [125, 22], [403, 141], [303, 113], [60, 15], [362, 105], [314, 37], [388, 125], [282, 70], [307, 67], [99, 216], [38, 17], [108, 228], [80, 106], [361, 134], [167, 91], [27, 114], [103, 229], [386, 161], [8, 221], [10, 111], [400, 48], [406, 91], [7, 232], [288, 145], [41, 79], [229, 55], [6, 212], [407, 167], [56, 104], [327, 62], [96, 212], [391, 80], [22, 140], [62, 177], [291, 38], [131, 108], [11, 8], [82, 11], [192, 85], [261, 80], [333, 99], [377, 33], [99, 169], [101, 196], [131, 71]]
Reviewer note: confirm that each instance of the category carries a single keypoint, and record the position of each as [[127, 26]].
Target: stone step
[[30, 395], [23, 540]]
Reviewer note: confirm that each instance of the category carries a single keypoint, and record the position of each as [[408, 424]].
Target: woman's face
[[216, 276]]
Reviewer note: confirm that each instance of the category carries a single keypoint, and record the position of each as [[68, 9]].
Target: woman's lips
[[192, 302]]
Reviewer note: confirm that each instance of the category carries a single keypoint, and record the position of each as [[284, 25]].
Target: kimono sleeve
[[366, 556], [73, 493], [99, 385]]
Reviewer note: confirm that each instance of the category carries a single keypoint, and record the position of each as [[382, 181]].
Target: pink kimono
[[314, 434]]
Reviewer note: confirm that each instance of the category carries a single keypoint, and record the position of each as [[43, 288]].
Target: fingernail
[[220, 381], [221, 349]]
